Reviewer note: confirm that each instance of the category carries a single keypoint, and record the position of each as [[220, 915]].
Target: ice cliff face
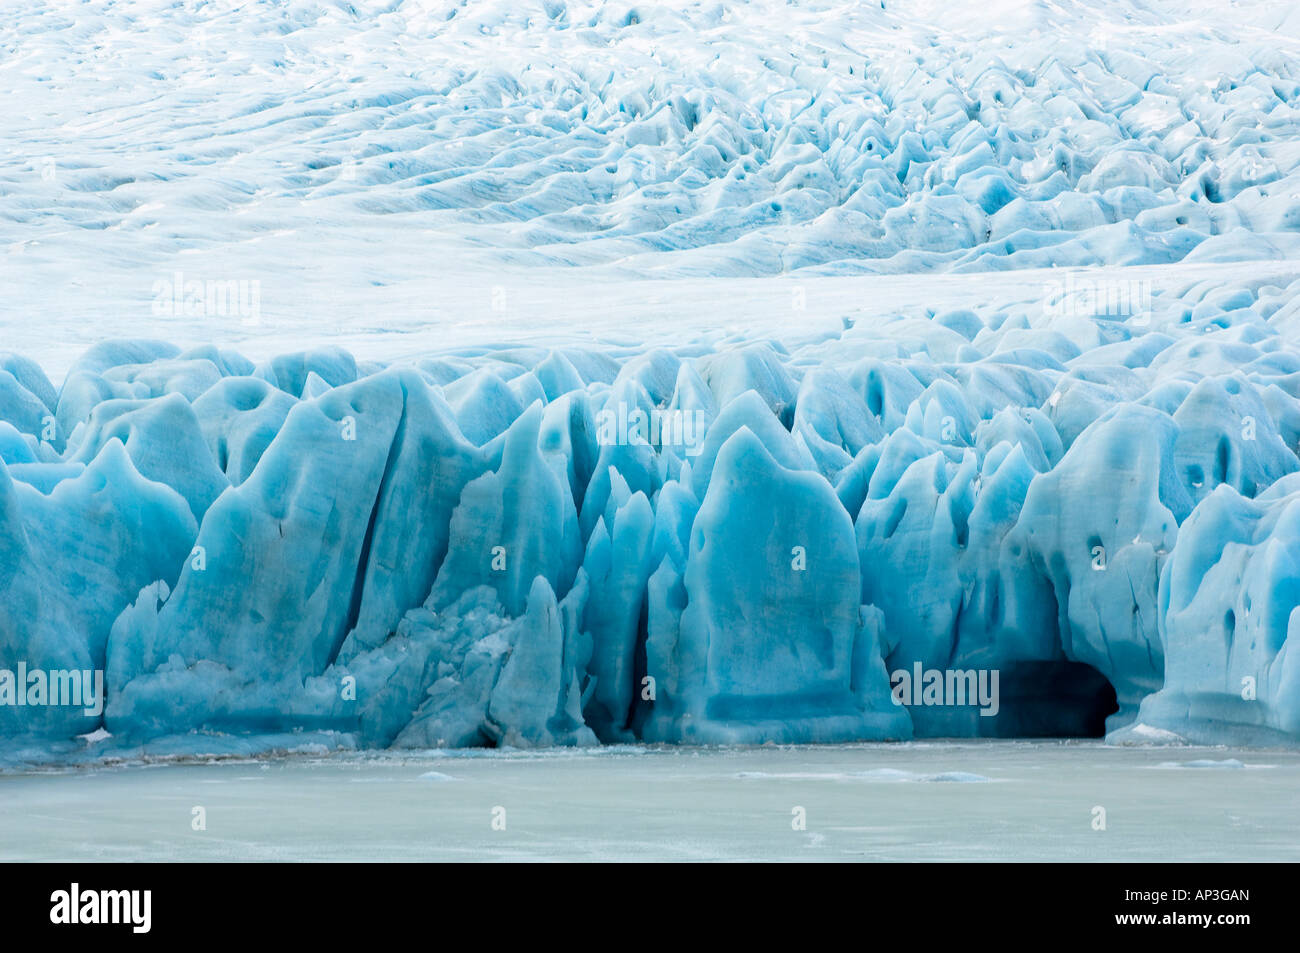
[[736, 543]]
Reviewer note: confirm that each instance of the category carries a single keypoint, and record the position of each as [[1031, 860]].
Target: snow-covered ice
[[382, 168]]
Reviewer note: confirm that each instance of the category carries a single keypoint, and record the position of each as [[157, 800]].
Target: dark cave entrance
[[1041, 699], [1059, 699]]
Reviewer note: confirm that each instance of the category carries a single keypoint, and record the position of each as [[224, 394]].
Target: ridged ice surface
[[683, 138]]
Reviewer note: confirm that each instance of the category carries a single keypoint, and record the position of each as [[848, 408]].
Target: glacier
[[432, 375], [527, 546]]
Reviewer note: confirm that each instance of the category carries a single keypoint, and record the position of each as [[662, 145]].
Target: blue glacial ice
[[738, 543]]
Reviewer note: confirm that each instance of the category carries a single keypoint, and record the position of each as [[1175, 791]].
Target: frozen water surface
[[1029, 801]]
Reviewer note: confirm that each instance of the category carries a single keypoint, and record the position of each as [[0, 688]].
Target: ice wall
[[737, 543]]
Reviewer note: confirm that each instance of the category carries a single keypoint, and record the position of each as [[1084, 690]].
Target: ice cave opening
[[1059, 699], [1033, 699]]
